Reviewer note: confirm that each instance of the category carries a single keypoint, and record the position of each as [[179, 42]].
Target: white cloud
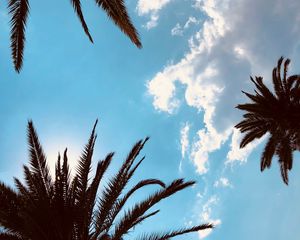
[[151, 8], [190, 21], [146, 6], [222, 182], [207, 141], [237, 154], [184, 142], [206, 217], [163, 92], [178, 29], [152, 22], [184, 138], [223, 53]]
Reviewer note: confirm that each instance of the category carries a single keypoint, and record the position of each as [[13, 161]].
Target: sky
[[180, 89]]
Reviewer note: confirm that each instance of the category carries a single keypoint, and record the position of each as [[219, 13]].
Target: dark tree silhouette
[[67, 208], [276, 113], [19, 10]]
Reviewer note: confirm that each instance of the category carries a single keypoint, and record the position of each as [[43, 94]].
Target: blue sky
[[180, 89]]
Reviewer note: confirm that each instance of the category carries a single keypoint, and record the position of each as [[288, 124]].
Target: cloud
[[152, 22], [237, 154], [151, 8], [206, 141], [178, 29], [184, 142], [222, 182], [206, 217], [236, 39], [190, 21], [184, 138]]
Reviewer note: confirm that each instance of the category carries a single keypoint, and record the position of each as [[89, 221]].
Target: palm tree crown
[[276, 113], [19, 10], [67, 208]]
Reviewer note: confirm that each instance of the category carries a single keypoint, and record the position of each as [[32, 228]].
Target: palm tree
[[276, 113], [68, 207], [19, 10]]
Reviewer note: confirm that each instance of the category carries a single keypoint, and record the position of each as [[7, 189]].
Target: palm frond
[[67, 211], [119, 204], [77, 8], [277, 82], [21, 188], [19, 10], [250, 136], [58, 187], [38, 162], [9, 236], [116, 10], [129, 220], [262, 88], [253, 108], [10, 206], [285, 159], [65, 175], [115, 187], [84, 165], [286, 64], [268, 153], [276, 115], [174, 233], [83, 171], [249, 124], [93, 188]]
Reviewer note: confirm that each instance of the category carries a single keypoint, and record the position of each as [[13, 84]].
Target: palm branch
[[77, 8], [275, 112], [19, 10], [69, 208], [116, 10]]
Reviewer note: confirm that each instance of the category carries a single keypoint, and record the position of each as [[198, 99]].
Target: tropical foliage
[[69, 207], [277, 113], [19, 10]]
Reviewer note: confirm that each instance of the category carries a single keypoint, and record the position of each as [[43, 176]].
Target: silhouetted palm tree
[[276, 113], [67, 208], [19, 10]]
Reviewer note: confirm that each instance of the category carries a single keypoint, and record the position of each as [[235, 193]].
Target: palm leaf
[[250, 136], [38, 162], [93, 188], [171, 234], [285, 159], [84, 165], [130, 219], [10, 208], [268, 153], [258, 82], [116, 10], [277, 82], [77, 8], [83, 171], [145, 216], [9, 236], [286, 64], [119, 204], [115, 187], [67, 212], [19, 11]]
